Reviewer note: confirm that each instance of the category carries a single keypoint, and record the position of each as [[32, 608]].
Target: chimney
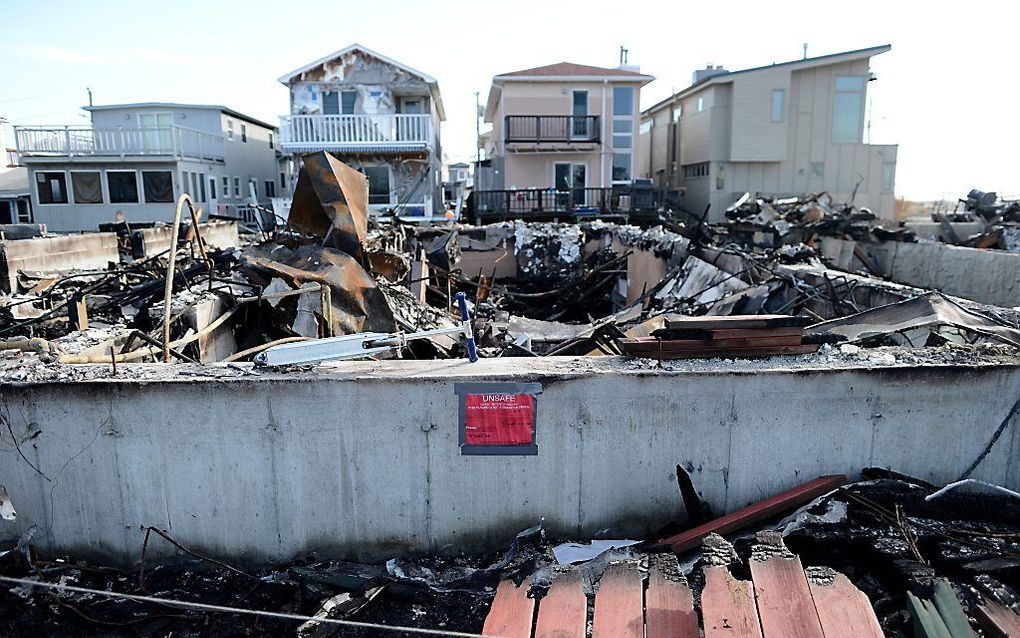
[[708, 72]]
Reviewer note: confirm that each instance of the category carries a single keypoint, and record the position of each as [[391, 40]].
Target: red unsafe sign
[[499, 419]]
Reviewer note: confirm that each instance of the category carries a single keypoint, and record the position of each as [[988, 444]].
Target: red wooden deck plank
[[727, 606], [753, 513], [998, 621], [785, 606], [619, 604], [563, 612], [512, 612], [669, 608], [844, 610]]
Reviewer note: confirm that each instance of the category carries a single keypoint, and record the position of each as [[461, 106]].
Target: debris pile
[[773, 222]]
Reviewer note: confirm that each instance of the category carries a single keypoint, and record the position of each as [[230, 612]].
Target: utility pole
[[478, 129]]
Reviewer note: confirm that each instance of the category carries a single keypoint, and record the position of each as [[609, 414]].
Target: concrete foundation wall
[[363, 461], [54, 254], [215, 234], [988, 276]]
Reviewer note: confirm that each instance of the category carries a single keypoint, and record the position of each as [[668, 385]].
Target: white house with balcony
[[135, 160], [377, 115]]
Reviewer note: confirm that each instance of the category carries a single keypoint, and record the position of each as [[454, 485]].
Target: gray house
[[783, 129], [377, 115], [135, 160]]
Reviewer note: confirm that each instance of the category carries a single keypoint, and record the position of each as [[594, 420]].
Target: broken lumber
[[512, 611], [751, 514]]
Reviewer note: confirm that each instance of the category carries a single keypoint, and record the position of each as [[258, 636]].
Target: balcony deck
[[377, 133], [176, 142], [551, 129], [623, 202]]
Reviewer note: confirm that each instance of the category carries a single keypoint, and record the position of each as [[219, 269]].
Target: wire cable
[[239, 610]]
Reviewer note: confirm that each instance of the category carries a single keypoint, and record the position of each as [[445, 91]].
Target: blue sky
[[946, 93]]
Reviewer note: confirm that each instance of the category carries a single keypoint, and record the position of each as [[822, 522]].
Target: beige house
[[785, 129], [565, 127]]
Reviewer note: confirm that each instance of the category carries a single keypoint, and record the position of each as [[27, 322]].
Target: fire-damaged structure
[[626, 394]]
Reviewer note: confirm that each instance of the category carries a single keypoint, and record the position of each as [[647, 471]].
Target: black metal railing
[[576, 202], [544, 129]]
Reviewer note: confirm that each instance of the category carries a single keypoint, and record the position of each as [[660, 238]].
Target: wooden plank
[[669, 608], [998, 621], [652, 344], [951, 611], [563, 612], [728, 333], [512, 613], [785, 606], [705, 353], [728, 608], [676, 322], [619, 604], [754, 513], [844, 610], [927, 621]]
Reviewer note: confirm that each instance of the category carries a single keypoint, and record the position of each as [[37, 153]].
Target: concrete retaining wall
[[987, 276], [363, 461], [55, 254], [216, 234]]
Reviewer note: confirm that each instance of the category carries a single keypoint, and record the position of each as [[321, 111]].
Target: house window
[[623, 100], [283, 181], [123, 187], [621, 167], [87, 187], [270, 139], [158, 186], [194, 186], [623, 132], [226, 186], [699, 169], [347, 99], [237, 187], [230, 129], [378, 184], [778, 104], [270, 188], [52, 188], [244, 133], [848, 109], [678, 113], [701, 103], [201, 186], [645, 128], [212, 188], [888, 176]]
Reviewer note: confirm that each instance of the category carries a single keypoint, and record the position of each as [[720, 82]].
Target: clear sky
[[947, 93]]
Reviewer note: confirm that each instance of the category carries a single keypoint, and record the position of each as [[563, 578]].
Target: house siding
[[748, 152]]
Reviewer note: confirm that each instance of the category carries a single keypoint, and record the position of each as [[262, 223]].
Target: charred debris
[[884, 555], [533, 289]]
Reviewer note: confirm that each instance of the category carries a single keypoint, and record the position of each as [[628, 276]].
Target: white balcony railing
[[176, 141], [339, 132]]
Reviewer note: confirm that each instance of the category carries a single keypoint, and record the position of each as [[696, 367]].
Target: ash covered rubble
[[534, 289], [895, 554]]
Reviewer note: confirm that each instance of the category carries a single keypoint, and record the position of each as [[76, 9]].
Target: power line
[[238, 610]]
